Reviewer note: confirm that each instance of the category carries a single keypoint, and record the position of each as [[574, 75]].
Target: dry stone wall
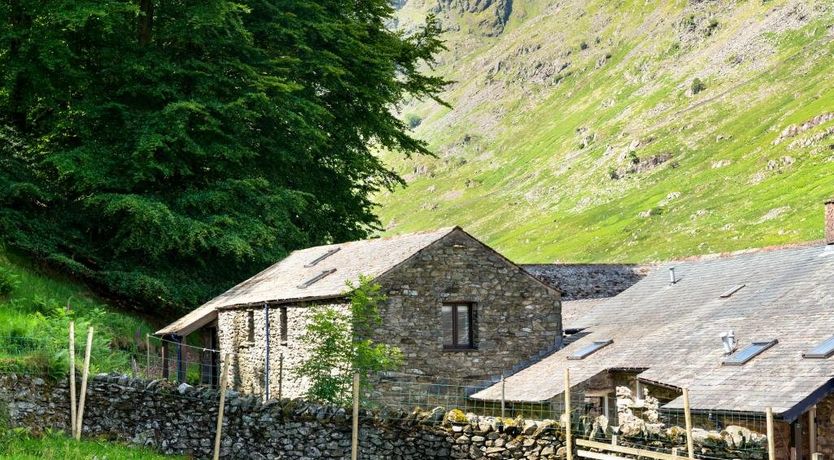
[[589, 281], [181, 420]]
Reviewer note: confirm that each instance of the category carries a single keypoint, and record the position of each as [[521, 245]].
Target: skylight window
[[749, 352], [821, 351], [732, 291], [590, 349], [318, 259], [315, 279]]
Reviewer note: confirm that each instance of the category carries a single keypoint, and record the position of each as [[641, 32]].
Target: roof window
[[821, 351], [749, 352], [590, 349], [318, 259], [732, 291], [315, 279]]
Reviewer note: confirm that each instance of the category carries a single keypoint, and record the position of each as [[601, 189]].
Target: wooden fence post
[[148, 359], [73, 404], [568, 434], [771, 436], [354, 451], [812, 430], [224, 375], [503, 396], [690, 446], [79, 424]]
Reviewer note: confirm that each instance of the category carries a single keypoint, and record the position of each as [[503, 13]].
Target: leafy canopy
[[166, 150], [339, 344]]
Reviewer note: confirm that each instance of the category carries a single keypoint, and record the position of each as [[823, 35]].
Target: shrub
[[697, 86], [584, 45], [413, 120], [339, 346], [713, 24], [8, 281]]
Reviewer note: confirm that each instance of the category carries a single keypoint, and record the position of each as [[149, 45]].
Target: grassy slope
[[56, 446], [511, 170], [34, 321]]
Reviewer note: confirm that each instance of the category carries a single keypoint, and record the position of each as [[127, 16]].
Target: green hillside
[[625, 131]]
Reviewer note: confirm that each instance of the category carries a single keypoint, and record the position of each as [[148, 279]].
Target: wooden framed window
[[458, 321]]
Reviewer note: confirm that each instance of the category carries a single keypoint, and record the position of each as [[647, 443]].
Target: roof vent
[[315, 279], [729, 341], [318, 259], [672, 277], [732, 291]]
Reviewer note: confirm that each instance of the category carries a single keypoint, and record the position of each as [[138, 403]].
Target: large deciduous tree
[[169, 148]]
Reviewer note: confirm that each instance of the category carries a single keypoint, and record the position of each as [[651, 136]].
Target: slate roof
[[673, 332], [281, 282], [574, 310]]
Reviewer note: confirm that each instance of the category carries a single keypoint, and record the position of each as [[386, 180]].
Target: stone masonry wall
[[181, 420], [518, 318], [588, 281], [249, 357]]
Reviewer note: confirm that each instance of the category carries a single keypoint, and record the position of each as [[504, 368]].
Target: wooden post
[[220, 409], [354, 452], [73, 404], [281, 375], [180, 361], [148, 350], [79, 424], [503, 394], [812, 430], [771, 436], [690, 446], [568, 434], [164, 352]]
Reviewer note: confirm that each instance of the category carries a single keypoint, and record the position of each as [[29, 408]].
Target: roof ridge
[[741, 252]]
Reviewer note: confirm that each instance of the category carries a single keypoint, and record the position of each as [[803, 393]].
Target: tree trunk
[[144, 27]]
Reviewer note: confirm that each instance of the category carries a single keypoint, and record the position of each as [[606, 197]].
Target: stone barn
[[455, 307]]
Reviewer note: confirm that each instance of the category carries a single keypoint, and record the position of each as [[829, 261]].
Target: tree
[[166, 150], [340, 344]]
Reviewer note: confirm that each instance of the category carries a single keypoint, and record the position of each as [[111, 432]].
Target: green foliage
[[8, 281], [34, 321], [165, 150], [697, 86], [340, 345], [54, 445]]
